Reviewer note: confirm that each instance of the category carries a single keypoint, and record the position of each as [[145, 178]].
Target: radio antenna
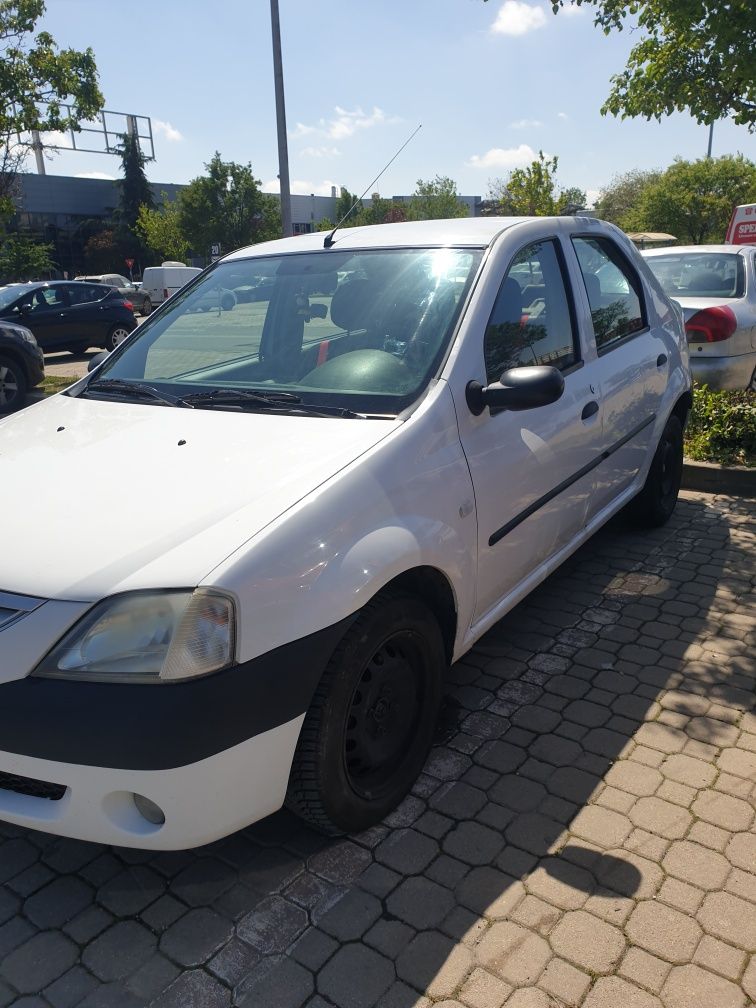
[[328, 240]]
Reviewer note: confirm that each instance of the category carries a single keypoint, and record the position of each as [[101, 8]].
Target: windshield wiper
[[275, 402], [118, 386]]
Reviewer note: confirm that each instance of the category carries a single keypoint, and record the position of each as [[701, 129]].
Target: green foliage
[[21, 258], [35, 79], [693, 56], [693, 200], [620, 199], [722, 427], [227, 207], [436, 199], [531, 191], [161, 230], [378, 211], [134, 188]]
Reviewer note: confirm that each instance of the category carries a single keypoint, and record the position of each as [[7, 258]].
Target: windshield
[[9, 294], [365, 330], [699, 274]]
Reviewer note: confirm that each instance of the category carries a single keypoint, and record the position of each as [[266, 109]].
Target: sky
[[492, 83]]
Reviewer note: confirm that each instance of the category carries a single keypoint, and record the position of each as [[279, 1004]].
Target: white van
[[335, 491], [160, 282]]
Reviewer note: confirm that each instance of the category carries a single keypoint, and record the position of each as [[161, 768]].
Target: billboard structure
[[742, 226], [96, 136]]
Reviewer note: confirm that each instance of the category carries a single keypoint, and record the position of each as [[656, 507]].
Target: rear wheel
[[146, 306], [13, 385], [655, 503], [78, 348], [116, 335], [371, 722]]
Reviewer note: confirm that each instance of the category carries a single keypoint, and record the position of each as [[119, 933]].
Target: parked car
[[715, 285], [336, 500], [126, 288], [22, 366], [161, 282], [66, 315]]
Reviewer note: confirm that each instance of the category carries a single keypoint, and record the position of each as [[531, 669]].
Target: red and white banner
[[742, 226]]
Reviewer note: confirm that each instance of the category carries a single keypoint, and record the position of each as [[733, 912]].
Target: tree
[[436, 199], [21, 258], [161, 230], [693, 56], [618, 202], [531, 192], [693, 200], [36, 78], [227, 207], [134, 189]]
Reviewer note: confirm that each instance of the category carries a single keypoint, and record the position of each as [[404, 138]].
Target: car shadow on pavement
[[517, 859]]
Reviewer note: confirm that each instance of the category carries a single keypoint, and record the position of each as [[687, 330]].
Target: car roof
[[703, 249], [474, 232]]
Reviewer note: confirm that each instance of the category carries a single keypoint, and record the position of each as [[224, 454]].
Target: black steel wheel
[[655, 503], [371, 722], [13, 385]]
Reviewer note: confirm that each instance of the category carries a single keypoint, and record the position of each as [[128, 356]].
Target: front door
[[532, 470]]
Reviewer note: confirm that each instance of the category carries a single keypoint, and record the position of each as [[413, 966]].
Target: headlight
[[27, 334], [147, 637]]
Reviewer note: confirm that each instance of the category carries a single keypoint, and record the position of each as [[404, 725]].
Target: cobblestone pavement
[[583, 834]]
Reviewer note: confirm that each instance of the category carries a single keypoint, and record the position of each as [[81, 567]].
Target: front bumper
[[213, 753]]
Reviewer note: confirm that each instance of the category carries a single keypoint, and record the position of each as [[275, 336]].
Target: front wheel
[[655, 503], [13, 385], [371, 722]]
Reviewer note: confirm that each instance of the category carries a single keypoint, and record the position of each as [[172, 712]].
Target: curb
[[708, 477]]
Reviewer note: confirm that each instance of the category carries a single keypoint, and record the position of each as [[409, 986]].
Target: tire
[[116, 335], [78, 348], [370, 725], [13, 385], [146, 307], [655, 503]]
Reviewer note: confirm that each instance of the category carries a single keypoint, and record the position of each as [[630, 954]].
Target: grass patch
[[56, 383], [722, 427]]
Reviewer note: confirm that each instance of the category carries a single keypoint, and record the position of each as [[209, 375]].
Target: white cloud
[[343, 124], [301, 187], [562, 115], [497, 157], [319, 152], [516, 18], [526, 124], [57, 139], [95, 174], [572, 10], [168, 132]]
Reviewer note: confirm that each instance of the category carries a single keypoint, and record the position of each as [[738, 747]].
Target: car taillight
[[129, 305], [711, 325]]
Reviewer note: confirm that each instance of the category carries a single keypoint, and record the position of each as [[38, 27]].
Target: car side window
[[531, 321], [614, 291], [86, 293]]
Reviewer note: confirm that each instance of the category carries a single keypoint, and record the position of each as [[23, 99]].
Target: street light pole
[[711, 138], [283, 150]]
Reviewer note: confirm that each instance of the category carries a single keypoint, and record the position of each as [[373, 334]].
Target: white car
[[716, 287], [335, 492]]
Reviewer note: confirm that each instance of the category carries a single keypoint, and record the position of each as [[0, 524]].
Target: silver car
[[127, 288], [715, 286]]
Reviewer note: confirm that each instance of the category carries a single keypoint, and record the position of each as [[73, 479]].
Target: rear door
[[632, 361], [531, 470], [91, 313]]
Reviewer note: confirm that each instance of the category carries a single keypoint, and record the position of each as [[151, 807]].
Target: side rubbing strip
[[499, 534]]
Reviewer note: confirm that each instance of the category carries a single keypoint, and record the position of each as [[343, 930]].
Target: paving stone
[[572, 784], [535, 915], [15, 856], [58, 902], [749, 979], [530, 997], [564, 982], [613, 992], [194, 988], [420, 902], [715, 955], [484, 990], [154, 977], [588, 942], [39, 961], [627, 775], [356, 977], [513, 953], [661, 817], [503, 757], [661, 737], [741, 851], [202, 882], [708, 835], [115, 995], [273, 925], [389, 937], [739, 762], [697, 865], [663, 931], [534, 833], [458, 800], [196, 937], [601, 826], [407, 851], [351, 916], [681, 896], [687, 770], [275, 982], [119, 951], [560, 883], [724, 811], [711, 730], [691, 987], [730, 918], [131, 890], [71, 988], [490, 893], [473, 843], [644, 969]]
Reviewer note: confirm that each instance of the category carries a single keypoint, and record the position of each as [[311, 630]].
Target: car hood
[[101, 497]]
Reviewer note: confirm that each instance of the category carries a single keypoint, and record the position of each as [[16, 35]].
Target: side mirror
[[97, 360], [24, 309], [519, 388]]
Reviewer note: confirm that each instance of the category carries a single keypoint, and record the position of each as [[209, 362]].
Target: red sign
[[129, 262], [742, 229]]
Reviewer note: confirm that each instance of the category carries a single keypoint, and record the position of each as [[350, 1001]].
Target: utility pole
[[283, 150], [711, 137]]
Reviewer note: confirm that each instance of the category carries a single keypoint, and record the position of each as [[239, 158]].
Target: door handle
[[590, 409], [661, 360]]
